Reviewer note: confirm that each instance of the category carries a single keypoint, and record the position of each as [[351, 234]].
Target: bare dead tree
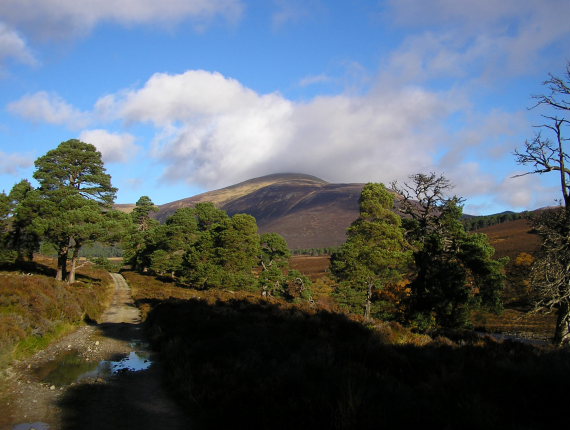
[[424, 198], [546, 153]]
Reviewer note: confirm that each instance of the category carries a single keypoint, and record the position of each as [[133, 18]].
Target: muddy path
[[101, 376]]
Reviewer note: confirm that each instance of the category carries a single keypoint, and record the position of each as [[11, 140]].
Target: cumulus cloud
[[11, 163], [12, 46], [49, 107], [114, 147], [527, 191], [213, 130], [65, 18]]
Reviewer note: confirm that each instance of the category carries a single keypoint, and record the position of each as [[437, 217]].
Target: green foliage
[[76, 197], [476, 222], [205, 248], [77, 167], [200, 246], [139, 240], [225, 251], [18, 239], [455, 271], [108, 265], [375, 254], [273, 251], [141, 213], [275, 278]]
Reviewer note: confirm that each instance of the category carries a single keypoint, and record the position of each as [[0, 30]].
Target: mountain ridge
[[307, 211]]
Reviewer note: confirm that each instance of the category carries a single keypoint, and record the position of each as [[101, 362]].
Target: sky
[[187, 96]]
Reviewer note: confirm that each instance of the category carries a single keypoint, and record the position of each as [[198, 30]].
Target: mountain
[[307, 211]]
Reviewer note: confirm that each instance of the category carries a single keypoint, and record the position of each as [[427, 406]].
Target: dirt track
[[101, 400]]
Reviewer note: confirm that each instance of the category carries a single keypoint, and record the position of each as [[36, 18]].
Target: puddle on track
[[71, 367]]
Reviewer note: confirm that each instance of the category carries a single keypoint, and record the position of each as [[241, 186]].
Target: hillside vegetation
[[35, 309]]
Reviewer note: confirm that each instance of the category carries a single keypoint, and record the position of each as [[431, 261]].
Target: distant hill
[[309, 212], [124, 207], [510, 238]]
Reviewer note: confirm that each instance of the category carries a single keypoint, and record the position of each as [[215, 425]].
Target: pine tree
[[75, 191], [375, 253]]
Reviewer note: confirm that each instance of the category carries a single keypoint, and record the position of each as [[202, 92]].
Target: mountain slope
[[307, 211]]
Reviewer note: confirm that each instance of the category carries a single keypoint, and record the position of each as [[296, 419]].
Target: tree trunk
[[562, 332], [20, 257], [74, 258], [62, 264], [368, 302]]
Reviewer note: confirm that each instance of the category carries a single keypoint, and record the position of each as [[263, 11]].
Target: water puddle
[[71, 367], [134, 362], [31, 426], [65, 369]]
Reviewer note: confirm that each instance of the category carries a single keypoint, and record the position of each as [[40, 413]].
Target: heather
[[35, 308]]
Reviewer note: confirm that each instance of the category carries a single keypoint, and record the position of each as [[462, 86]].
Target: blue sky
[[185, 96]]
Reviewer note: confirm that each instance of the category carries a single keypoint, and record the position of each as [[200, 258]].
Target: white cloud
[[11, 163], [12, 46], [290, 11], [114, 147], [492, 38], [315, 79], [529, 191], [214, 131], [49, 107], [65, 18]]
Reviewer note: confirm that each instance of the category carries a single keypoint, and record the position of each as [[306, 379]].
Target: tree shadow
[[37, 268], [130, 400], [125, 400], [260, 365]]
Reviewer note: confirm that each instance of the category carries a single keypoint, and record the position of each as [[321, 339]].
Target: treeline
[[476, 222], [71, 214], [203, 247]]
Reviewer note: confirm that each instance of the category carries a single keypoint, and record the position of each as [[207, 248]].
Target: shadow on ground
[[126, 400], [239, 364]]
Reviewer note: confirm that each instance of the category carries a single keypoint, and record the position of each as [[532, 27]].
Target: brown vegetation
[[35, 308], [511, 238], [312, 267], [270, 364]]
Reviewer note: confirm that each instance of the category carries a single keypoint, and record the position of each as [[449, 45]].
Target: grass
[[35, 309]]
